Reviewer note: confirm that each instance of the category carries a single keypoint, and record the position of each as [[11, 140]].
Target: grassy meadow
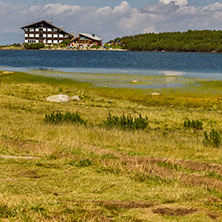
[[91, 172]]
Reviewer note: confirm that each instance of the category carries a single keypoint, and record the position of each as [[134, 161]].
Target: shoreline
[[61, 49], [112, 50]]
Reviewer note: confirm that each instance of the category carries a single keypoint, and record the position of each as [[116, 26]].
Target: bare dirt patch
[[19, 144], [126, 205], [212, 216], [197, 180], [166, 211], [147, 165], [32, 174], [119, 203], [198, 166]]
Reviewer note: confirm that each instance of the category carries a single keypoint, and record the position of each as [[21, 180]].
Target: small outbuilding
[[86, 39]]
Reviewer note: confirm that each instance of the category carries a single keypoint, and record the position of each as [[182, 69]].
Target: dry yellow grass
[[91, 173]]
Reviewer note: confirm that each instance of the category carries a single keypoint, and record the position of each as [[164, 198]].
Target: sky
[[109, 19]]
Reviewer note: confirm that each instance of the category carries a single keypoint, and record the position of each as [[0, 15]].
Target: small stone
[[76, 98], [58, 98], [7, 72], [134, 81], [155, 94]]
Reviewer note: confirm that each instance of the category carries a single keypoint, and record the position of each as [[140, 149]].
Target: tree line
[[189, 41]]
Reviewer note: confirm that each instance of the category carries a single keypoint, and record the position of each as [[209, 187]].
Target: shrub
[[195, 124], [126, 122], [213, 138], [81, 163], [58, 117], [34, 46]]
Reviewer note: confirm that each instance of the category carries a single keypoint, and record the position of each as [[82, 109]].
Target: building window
[[44, 29], [26, 35], [49, 41], [36, 35], [49, 35], [55, 41], [55, 35], [31, 41], [60, 35], [44, 35], [49, 30], [37, 29], [31, 30], [31, 35], [55, 30]]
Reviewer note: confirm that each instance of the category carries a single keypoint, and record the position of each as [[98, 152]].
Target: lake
[[117, 68]]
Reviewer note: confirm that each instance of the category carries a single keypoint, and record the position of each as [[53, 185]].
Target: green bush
[[65, 42], [126, 122], [195, 124], [34, 46], [81, 163], [213, 138], [58, 117]]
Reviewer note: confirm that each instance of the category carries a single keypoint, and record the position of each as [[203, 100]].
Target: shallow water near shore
[[117, 69]]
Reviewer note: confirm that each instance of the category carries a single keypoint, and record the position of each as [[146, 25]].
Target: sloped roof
[[91, 36], [43, 21]]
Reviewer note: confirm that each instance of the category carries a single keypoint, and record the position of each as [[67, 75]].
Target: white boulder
[[58, 98], [134, 81], [155, 94]]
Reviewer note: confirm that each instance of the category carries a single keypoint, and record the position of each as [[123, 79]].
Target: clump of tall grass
[[126, 122], [212, 139], [58, 117], [194, 124], [81, 163]]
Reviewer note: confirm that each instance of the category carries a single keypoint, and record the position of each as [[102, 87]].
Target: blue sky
[[109, 18]]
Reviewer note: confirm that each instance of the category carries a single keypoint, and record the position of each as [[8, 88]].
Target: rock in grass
[[134, 81], [155, 94], [58, 98], [76, 98], [7, 72]]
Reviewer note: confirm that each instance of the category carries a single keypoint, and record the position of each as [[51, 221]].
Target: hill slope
[[190, 41]]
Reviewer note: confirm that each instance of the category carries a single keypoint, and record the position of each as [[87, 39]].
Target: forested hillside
[[190, 41]]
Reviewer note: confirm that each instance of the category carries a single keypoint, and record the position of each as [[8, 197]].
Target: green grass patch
[[212, 139], [126, 122], [58, 117], [194, 124]]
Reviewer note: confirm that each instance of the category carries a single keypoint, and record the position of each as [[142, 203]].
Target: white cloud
[[109, 23], [149, 29], [177, 2], [214, 7], [123, 8]]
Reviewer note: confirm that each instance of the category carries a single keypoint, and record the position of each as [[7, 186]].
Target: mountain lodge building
[[45, 32]]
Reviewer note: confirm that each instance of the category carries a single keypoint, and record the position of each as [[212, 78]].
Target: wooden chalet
[[46, 33], [86, 39]]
